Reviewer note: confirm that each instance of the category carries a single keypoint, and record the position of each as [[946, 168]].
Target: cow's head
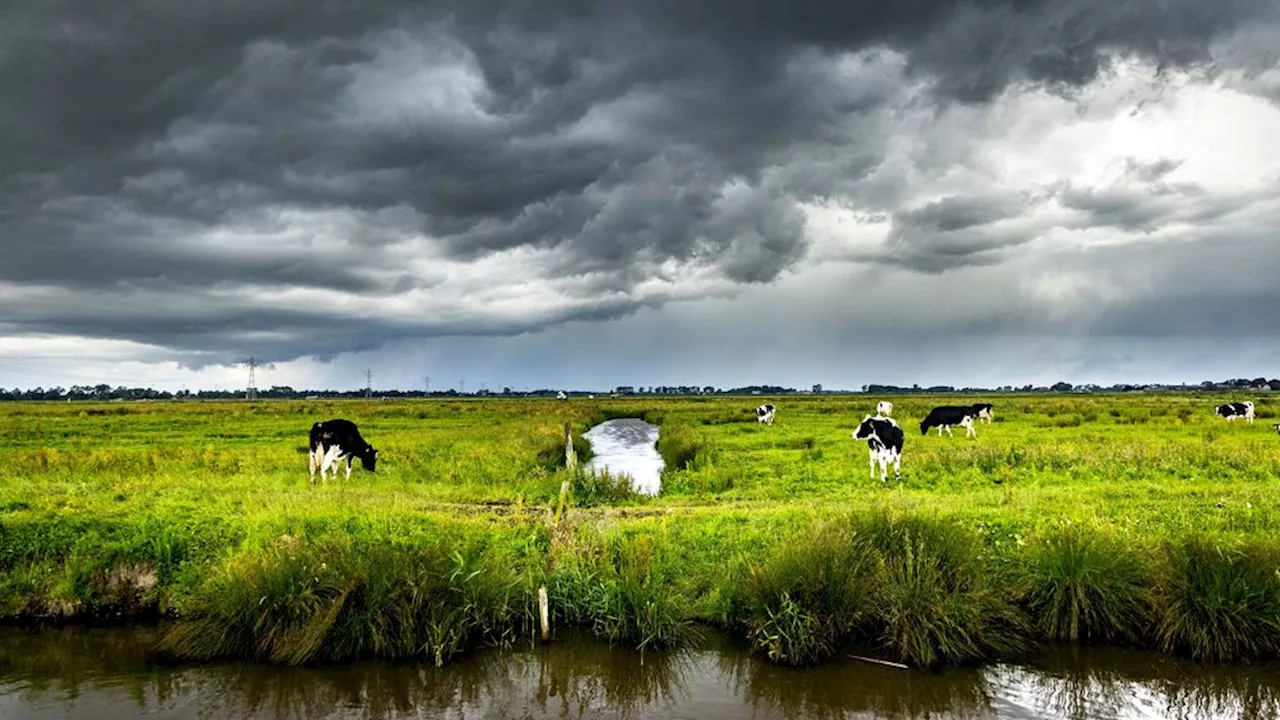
[[866, 430], [369, 458]]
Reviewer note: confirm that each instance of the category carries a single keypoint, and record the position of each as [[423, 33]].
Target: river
[[625, 446], [110, 673]]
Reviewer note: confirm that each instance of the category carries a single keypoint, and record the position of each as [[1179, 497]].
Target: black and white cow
[[1234, 411], [1276, 426], [884, 441], [764, 414], [986, 411], [884, 408], [944, 416], [333, 441]]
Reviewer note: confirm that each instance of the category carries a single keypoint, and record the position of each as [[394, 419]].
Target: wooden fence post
[[570, 457], [544, 613]]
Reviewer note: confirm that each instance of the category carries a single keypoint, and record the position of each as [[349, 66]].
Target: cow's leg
[[872, 459], [897, 466], [349, 459], [949, 433], [330, 461], [311, 465]]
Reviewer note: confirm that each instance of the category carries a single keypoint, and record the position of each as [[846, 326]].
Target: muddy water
[[626, 447], [112, 673]]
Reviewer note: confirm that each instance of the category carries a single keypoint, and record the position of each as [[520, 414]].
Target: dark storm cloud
[[1147, 208], [955, 231], [180, 148]]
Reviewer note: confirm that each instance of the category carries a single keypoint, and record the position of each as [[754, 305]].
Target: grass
[[1137, 519]]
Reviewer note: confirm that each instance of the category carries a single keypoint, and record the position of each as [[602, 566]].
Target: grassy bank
[[1133, 520]]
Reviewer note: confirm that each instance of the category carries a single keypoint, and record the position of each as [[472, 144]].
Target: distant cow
[[884, 441], [1276, 426], [944, 416], [764, 414], [884, 408], [1233, 411], [333, 441], [561, 396], [986, 411]]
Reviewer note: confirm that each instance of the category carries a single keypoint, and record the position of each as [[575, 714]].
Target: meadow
[[1126, 519]]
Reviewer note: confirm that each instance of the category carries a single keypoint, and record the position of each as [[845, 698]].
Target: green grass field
[[1139, 519]]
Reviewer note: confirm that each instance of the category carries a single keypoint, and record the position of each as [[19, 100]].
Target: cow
[[333, 441], [561, 396], [1233, 411], [884, 442], [1276, 426], [884, 408], [986, 411], [944, 416], [764, 414]]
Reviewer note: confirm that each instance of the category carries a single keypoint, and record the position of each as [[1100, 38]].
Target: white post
[[570, 457], [544, 613]]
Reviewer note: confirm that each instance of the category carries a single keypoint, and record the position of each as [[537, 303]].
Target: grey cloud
[[618, 137], [1145, 209], [955, 231], [1150, 171]]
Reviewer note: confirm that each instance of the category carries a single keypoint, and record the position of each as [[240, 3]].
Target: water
[[626, 447], [112, 673]]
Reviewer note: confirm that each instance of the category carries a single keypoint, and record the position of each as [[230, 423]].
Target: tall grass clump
[[1086, 588], [936, 601], [916, 586], [600, 487], [810, 595], [682, 447], [1220, 602], [622, 588], [333, 600]]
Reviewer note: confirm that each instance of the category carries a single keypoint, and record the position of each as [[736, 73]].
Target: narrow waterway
[[626, 447], [112, 673]]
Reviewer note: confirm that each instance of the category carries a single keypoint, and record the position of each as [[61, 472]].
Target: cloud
[[289, 180]]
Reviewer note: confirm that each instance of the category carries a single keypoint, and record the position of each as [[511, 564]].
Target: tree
[[1061, 387]]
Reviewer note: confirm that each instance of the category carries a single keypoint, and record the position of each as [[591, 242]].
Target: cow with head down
[[944, 416], [335, 441]]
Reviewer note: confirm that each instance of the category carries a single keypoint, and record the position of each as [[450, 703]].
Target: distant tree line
[[104, 391]]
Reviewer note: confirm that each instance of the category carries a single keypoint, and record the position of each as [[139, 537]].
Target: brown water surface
[[110, 673]]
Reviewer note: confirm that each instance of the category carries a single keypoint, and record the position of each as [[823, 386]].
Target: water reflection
[[626, 447], [112, 673]]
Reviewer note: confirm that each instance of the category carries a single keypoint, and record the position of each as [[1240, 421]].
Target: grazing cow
[[944, 416], [764, 414], [1232, 411], [884, 408], [884, 441], [333, 441], [986, 411], [1276, 426], [561, 396]]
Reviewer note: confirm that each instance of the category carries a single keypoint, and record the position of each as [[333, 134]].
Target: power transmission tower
[[426, 384], [251, 393], [368, 383], [462, 387]]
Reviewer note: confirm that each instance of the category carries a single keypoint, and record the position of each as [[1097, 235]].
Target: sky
[[574, 194]]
